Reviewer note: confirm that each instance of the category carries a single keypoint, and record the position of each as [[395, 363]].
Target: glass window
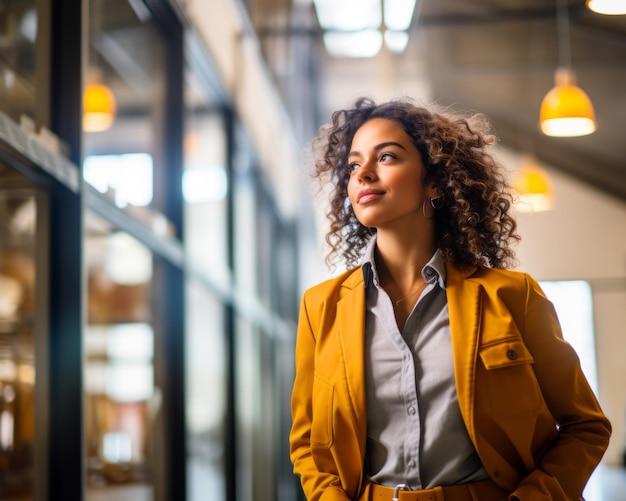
[[121, 400], [18, 26], [123, 104], [258, 435], [127, 177], [249, 404], [205, 187], [205, 183], [206, 399], [247, 226], [20, 307], [573, 303]]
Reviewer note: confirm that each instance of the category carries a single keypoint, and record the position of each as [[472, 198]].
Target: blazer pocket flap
[[507, 353]]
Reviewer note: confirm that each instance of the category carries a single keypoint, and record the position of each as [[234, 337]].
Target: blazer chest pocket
[[322, 413], [513, 387]]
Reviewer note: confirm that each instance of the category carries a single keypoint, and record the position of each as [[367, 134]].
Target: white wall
[[584, 238]]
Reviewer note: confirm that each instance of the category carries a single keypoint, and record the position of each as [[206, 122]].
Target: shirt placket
[[413, 425]]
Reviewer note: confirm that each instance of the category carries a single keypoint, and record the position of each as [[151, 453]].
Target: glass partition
[[21, 304], [121, 400], [18, 29], [205, 391], [123, 106], [205, 186]]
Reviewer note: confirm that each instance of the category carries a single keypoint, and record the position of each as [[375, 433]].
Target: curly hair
[[473, 225]]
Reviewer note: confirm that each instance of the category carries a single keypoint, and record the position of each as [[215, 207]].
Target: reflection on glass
[[18, 271], [120, 397], [205, 189], [125, 66], [205, 391], [18, 22], [128, 177], [124, 160], [258, 436], [248, 228], [205, 183]]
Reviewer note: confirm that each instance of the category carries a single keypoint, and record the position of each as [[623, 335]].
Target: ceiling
[[496, 57]]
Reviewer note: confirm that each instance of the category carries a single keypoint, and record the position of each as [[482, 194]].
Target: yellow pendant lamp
[[566, 110], [534, 188], [99, 107]]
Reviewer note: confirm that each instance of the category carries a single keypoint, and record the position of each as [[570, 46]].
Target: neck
[[400, 261]]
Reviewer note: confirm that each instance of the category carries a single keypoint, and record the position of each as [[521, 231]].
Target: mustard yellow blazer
[[528, 408]]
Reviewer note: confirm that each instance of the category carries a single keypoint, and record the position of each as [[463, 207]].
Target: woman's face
[[386, 185]]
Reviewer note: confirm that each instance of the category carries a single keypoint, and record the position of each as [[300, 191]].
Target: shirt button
[[512, 354], [411, 464], [411, 410]]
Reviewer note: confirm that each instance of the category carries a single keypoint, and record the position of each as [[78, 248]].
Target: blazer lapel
[[351, 324]]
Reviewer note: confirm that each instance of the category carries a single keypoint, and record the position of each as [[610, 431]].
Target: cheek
[[412, 187], [351, 189]]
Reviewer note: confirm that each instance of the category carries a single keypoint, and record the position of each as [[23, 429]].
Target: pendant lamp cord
[[565, 56]]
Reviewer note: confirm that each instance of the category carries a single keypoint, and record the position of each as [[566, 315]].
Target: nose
[[367, 170]]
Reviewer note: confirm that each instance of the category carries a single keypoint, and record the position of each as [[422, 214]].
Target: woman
[[430, 371]]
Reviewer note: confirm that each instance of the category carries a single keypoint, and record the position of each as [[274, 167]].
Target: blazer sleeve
[[316, 483], [583, 430]]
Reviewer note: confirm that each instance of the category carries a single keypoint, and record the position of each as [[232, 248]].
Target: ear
[[432, 192]]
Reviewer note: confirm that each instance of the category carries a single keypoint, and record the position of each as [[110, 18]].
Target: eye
[[352, 166], [386, 156]]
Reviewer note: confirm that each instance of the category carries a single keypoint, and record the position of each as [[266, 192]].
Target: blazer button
[[512, 354]]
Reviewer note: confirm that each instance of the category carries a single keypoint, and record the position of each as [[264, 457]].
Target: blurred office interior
[[158, 225]]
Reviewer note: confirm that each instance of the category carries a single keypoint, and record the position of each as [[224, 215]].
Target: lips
[[368, 195]]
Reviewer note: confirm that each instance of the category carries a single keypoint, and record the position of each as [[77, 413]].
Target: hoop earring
[[436, 202], [432, 215]]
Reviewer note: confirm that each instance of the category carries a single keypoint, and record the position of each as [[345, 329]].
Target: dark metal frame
[[66, 471]]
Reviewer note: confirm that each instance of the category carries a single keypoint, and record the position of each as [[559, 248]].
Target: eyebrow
[[378, 147]]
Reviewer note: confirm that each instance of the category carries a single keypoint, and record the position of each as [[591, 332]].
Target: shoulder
[[500, 282], [501, 276], [503, 294], [509, 279]]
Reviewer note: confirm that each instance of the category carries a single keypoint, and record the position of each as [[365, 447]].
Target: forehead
[[380, 129]]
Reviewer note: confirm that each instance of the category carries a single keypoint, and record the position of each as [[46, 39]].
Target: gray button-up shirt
[[415, 432]]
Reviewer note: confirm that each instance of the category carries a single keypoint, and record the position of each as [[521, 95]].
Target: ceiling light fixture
[[566, 110], [358, 28], [534, 188], [607, 7], [98, 108]]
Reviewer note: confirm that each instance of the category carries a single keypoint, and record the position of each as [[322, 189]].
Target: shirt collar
[[434, 271]]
